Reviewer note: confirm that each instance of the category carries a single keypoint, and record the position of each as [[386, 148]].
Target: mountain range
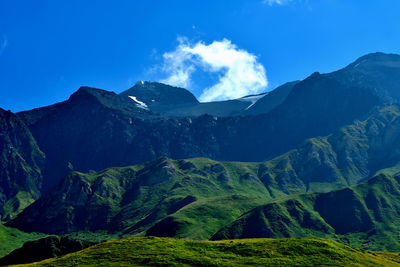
[[316, 157]]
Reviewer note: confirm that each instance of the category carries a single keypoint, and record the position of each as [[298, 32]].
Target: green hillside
[[262, 252], [366, 216], [196, 194]]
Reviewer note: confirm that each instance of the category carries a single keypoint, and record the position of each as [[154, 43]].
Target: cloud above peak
[[239, 72]]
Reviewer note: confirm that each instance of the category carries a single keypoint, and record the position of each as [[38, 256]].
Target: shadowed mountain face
[[271, 100], [96, 129], [20, 165], [44, 248], [174, 198], [377, 71]]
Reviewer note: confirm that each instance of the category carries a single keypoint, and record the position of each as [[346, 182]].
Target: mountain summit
[[160, 97]]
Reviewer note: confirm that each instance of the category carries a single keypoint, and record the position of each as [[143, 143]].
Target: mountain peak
[[86, 90], [105, 98], [158, 96], [377, 59]]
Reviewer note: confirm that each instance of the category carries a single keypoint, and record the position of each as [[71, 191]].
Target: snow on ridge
[[139, 103], [252, 99]]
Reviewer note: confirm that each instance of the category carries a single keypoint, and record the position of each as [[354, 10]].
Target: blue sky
[[48, 49]]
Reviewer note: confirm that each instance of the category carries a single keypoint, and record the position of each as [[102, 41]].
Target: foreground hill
[[261, 252], [366, 215]]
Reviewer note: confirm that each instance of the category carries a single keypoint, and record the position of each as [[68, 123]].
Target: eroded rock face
[[161, 171], [186, 165], [21, 162]]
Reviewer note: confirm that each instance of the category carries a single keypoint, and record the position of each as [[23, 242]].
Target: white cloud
[[240, 73]]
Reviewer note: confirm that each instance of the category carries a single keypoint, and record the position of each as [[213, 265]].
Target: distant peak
[[377, 57], [142, 83], [92, 90], [155, 93]]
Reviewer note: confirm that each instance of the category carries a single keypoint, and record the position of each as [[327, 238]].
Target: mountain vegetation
[[365, 215], [130, 200], [260, 252]]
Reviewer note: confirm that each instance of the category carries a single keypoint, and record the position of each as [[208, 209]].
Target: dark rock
[[44, 248]]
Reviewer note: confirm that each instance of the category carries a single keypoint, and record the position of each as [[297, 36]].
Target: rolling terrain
[[261, 252], [366, 215]]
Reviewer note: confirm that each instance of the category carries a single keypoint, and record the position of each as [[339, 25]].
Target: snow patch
[[139, 103], [252, 99]]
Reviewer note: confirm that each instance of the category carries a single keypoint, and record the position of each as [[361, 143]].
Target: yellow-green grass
[[152, 251]]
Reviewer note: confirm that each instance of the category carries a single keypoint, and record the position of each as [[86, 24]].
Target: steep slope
[[366, 215], [316, 106], [79, 127], [257, 252], [271, 100], [345, 157], [377, 71], [131, 200], [321, 103], [21, 161]]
